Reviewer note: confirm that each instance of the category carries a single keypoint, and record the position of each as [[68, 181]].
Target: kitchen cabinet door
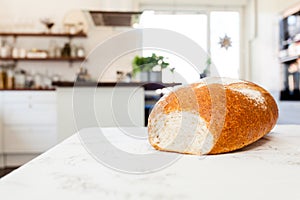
[[28, 139], [28, 120], [29, 114], [43, 97], [103, 107]]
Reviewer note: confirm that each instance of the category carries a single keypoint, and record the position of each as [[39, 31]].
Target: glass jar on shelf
[[29, 80], [73, 51], [5, 49], [80, 51], [20, 79], [57, 52], [38, 81], [52, 49], [15, 52], [47, 80]]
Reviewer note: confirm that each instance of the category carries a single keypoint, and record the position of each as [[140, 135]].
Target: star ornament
[[225, 42]]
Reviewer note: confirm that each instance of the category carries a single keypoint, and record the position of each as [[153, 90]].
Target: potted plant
[[150, 68], [206, 71]]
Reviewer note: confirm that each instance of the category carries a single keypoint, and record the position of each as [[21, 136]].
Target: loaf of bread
[[216, 115]]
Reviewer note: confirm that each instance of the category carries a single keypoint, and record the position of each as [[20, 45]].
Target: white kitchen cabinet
[[44, 97], [33, 121], [28, 139], [29, 114], [83, 107], [28, 121]]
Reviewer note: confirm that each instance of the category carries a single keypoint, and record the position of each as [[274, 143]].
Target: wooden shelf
[[40, 34], [288, 59], [15, 34], [44, 59]]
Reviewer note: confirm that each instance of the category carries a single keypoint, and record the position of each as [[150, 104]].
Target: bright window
[[195, 26], [227, 61]]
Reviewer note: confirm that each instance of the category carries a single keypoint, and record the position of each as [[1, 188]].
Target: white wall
[[31, 11], [265, 67], [178, 3]]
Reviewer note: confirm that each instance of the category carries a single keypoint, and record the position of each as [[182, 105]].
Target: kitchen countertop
[[69, 84], [267, 169], [146, 85], [28, 89]]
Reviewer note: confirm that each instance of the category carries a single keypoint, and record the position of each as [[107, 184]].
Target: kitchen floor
[[5, 171]]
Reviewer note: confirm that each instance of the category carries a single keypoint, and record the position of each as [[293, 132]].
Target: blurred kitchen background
[[253, 27], [47, 45]]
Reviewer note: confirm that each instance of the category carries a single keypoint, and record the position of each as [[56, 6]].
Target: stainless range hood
[[114, 18]]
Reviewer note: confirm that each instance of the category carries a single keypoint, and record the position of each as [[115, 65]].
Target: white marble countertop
[[268, 169]]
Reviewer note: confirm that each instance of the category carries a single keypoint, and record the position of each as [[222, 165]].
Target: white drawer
[[29, 96], [27, 114], [29, 139]]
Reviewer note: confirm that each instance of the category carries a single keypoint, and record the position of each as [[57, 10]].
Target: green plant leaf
[[140, 64]]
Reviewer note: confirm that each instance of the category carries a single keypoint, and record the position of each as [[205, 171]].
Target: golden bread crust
[[236, 114]]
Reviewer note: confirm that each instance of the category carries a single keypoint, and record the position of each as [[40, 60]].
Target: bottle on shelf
[[14, 50], [2, 78], [52, 49], [5, 49], [66, 50], [10, 79]]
